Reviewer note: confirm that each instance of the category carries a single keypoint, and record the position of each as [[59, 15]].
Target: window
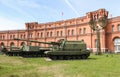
[[80, 31], [61, 33], [49, 25], [68, 32], [2, 44], [57, 33], [84, 31], [118, 27], [0, 37], [30, 27], [21, 36], [38, 35], [51, 34], [41, 34], [31, 35], [117, 45], [13, 36], [12, 44], [47, 34], [24, 35], [10, 36], [3, 37], [23, 43], [112, 28], [72, 32]]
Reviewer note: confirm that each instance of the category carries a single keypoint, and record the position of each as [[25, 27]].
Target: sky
[[15, 13]]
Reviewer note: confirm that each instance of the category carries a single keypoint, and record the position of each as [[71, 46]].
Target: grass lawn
[[95, 66]]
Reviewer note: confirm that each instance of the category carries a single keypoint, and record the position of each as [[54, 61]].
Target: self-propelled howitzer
[[27, 50], [68, 50]]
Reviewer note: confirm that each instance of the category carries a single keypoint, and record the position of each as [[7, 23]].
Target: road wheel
[[84, 57]]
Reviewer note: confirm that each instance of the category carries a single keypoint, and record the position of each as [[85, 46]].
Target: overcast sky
[[15, 13]]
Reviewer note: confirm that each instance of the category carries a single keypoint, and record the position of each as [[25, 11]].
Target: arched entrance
[[2, 45], [117, 45], [12, 44], [23, 43]]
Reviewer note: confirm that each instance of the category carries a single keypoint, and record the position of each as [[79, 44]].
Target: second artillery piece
[[27, 50]]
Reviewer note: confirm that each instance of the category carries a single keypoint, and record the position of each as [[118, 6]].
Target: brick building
[[71, 29]]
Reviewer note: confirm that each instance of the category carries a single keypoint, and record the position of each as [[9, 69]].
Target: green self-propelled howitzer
[[64, 49], [27, 50]]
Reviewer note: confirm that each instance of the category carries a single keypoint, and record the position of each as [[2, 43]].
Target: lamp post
[[98, 22]]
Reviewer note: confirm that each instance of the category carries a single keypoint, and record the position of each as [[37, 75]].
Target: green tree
[[98, 24]]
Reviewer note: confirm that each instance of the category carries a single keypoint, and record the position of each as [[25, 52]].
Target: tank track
[[68, 57]]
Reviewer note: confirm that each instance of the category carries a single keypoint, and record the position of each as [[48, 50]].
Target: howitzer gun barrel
[[35, 41]]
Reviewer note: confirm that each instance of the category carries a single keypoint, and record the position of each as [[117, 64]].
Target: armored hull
[[39, 53], [67, 55]]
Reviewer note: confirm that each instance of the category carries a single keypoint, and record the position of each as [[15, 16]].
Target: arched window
[[31, 35], [10, 36], [118, 27], [61, 33], [57, 33], [68, 32], [3, 37], [23, 43], [72, 32], [2, 45], [41, 34], [13, 36], [12, 44], [47, 34], [117, 45], [51, 34], [38, 34], [112, 28], [84, 31], [80, 31], [24, 35], [0, 37], [21, 36]]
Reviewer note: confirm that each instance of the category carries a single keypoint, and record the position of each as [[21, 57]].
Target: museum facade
[[71, 29]]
